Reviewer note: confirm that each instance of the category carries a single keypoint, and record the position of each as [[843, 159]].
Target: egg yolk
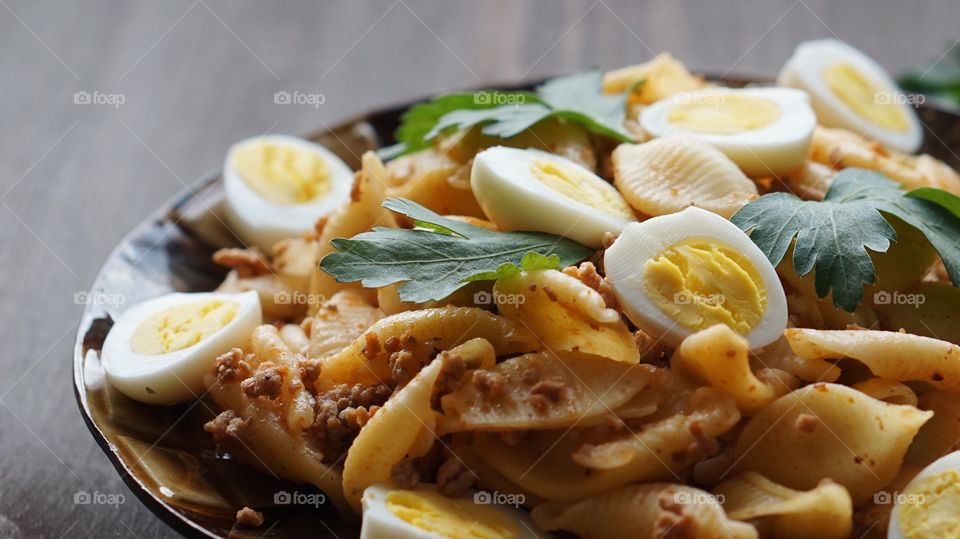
[[282, 174], [448, 517], [573, 185], [699, 284], [181, 326], [865, 97], [723, 113], [931, 507]]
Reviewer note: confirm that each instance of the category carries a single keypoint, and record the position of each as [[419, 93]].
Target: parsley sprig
[[833, 236], [440, 255], [575, 98]]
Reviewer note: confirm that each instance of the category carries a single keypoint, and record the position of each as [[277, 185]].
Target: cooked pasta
[[674, 376]]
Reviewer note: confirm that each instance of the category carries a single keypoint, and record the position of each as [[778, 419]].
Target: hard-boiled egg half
[[677, 274], [159, 351], [390, 513], [536, 191], [849, 90], [929, 507], [277, 186], [765, 131]]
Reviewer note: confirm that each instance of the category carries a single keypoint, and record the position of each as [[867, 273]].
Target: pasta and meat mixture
[[668, 381]]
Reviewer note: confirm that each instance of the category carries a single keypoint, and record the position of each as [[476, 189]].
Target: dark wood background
[[196, 75]]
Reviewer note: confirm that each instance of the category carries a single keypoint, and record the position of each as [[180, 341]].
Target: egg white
[[804, 72], [175, 376], [771, 150], [379, 522], [514, 199], [625, 259], [946, 462], [262, 223]]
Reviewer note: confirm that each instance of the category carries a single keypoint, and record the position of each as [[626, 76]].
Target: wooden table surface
[[178, 81]]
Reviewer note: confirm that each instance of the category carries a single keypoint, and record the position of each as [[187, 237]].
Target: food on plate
[[630, 304], [677, 274], [277, 186], [850, 90], [159, 351], [765, 131]]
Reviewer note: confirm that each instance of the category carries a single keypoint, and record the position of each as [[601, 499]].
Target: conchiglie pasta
[[829, 431], [565, 314], [825, 512], [366, 360], [720, 357], [895, 356], [391, 434], [543, 391], [651, 510], [572, 465]]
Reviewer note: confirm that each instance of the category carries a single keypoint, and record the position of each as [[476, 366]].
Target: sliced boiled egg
[[677, 274], [277, 186], [159, 351], [423, 513], [536, 191], [849, 90], [929, 507], [765, 131]]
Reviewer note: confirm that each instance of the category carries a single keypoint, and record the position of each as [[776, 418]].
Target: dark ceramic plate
[[163, 454]]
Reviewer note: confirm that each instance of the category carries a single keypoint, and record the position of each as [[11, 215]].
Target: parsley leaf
[[441, 255], [575, 98], [833, 236]]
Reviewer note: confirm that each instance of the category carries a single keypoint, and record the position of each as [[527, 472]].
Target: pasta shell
[[671, 173]]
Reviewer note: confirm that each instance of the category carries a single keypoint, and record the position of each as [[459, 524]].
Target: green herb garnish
[[439, 255], [941, 79], [574, 98], [833, 236]]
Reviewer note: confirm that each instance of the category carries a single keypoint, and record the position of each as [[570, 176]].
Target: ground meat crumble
[[266, 382], [341, 412], [249, 517], [248, 262]]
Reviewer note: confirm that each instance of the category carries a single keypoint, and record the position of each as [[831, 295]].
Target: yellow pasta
[[362, 213], [543, 391], [825, 512], [366, 360], [720, 357], [390, 435], [651, 510], [338, 323], [941, 434], [829, 431], [883, 352], [572, 465], [565, 314], [887, 391]]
